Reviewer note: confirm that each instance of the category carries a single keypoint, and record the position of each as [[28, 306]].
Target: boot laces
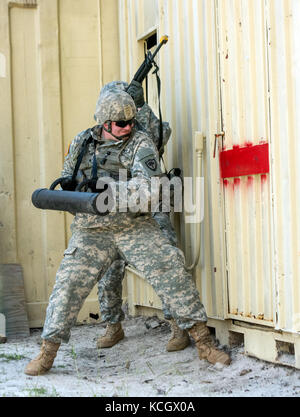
[[177, 332]]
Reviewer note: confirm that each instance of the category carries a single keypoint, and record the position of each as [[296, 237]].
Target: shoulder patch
[[149, 161], [151, 164]]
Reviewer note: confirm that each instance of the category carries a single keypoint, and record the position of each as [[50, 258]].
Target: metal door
[[243, 152]]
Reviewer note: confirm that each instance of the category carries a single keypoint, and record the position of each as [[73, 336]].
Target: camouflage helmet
[[113, 85], [114, 105]]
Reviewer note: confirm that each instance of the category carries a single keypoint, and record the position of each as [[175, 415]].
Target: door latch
[[217, 136]]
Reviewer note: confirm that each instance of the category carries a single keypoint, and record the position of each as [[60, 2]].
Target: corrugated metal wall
[[283, 17], [190, 103], [231, 66], [245, 116]]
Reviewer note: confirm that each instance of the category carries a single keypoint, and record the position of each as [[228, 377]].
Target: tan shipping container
[[230, 66]]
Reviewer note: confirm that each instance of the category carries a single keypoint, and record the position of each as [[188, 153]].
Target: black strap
[[94, 175], [85, 144], [160, 141]]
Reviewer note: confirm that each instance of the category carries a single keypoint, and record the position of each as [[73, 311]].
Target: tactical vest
[[101, 160]]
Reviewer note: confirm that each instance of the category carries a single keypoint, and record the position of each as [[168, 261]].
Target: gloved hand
[[92, 185], [67, 184], [136, 91]]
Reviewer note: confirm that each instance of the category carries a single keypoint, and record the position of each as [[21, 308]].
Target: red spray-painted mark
[[263, 179], [250, 182], [236, 182], [249, 160]]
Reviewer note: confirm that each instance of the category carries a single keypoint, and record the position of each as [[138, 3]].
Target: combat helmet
[[113, 85], [107, 88], [114, 105]]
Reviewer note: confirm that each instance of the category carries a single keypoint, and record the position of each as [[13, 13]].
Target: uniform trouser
[[91, 252], [110, 285]]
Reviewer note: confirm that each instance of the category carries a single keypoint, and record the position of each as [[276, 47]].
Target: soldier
[[98, 240], [110, 286]]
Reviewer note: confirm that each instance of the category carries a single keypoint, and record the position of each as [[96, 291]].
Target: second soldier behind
[[110, 286]]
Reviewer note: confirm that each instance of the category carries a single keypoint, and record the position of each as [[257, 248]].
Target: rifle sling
[[80, 156], [160, 142]]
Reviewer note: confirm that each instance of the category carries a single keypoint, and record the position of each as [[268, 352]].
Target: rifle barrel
[[163, 40]]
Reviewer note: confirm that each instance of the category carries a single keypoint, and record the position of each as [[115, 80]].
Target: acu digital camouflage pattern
[[131, 155], [142, 245], [98, 241], [110, 285], [115, 105]]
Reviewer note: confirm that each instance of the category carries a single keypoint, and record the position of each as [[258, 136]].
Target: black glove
[[92, 185], [66, 184], [136, 91]]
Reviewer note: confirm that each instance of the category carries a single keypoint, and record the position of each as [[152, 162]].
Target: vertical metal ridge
[[284, 52]]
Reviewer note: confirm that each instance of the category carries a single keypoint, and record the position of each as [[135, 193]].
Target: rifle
[[71, 199], [148, 63], [142, 73]]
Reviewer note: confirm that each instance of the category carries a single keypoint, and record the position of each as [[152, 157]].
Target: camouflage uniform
[[97, 241], [110, 286]]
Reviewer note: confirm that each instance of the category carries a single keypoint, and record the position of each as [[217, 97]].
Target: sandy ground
[[139, 366]]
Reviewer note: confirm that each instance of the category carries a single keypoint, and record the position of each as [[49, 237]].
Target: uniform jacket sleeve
[[145, 172], [150, 123]]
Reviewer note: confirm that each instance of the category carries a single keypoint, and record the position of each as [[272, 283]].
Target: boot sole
[[226, 362], [173, 349], [32, 373]]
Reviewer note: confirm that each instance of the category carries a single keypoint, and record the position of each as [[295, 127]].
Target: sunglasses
[[124, 123]]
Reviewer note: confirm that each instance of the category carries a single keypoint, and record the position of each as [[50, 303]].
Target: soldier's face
[[123, 132]]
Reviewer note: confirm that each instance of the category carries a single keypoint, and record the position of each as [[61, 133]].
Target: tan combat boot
[[180, 338], [205, 345], [44, 361], [114, 333]]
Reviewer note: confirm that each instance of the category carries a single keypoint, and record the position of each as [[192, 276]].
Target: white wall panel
[[231, 66], [284, 59]]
